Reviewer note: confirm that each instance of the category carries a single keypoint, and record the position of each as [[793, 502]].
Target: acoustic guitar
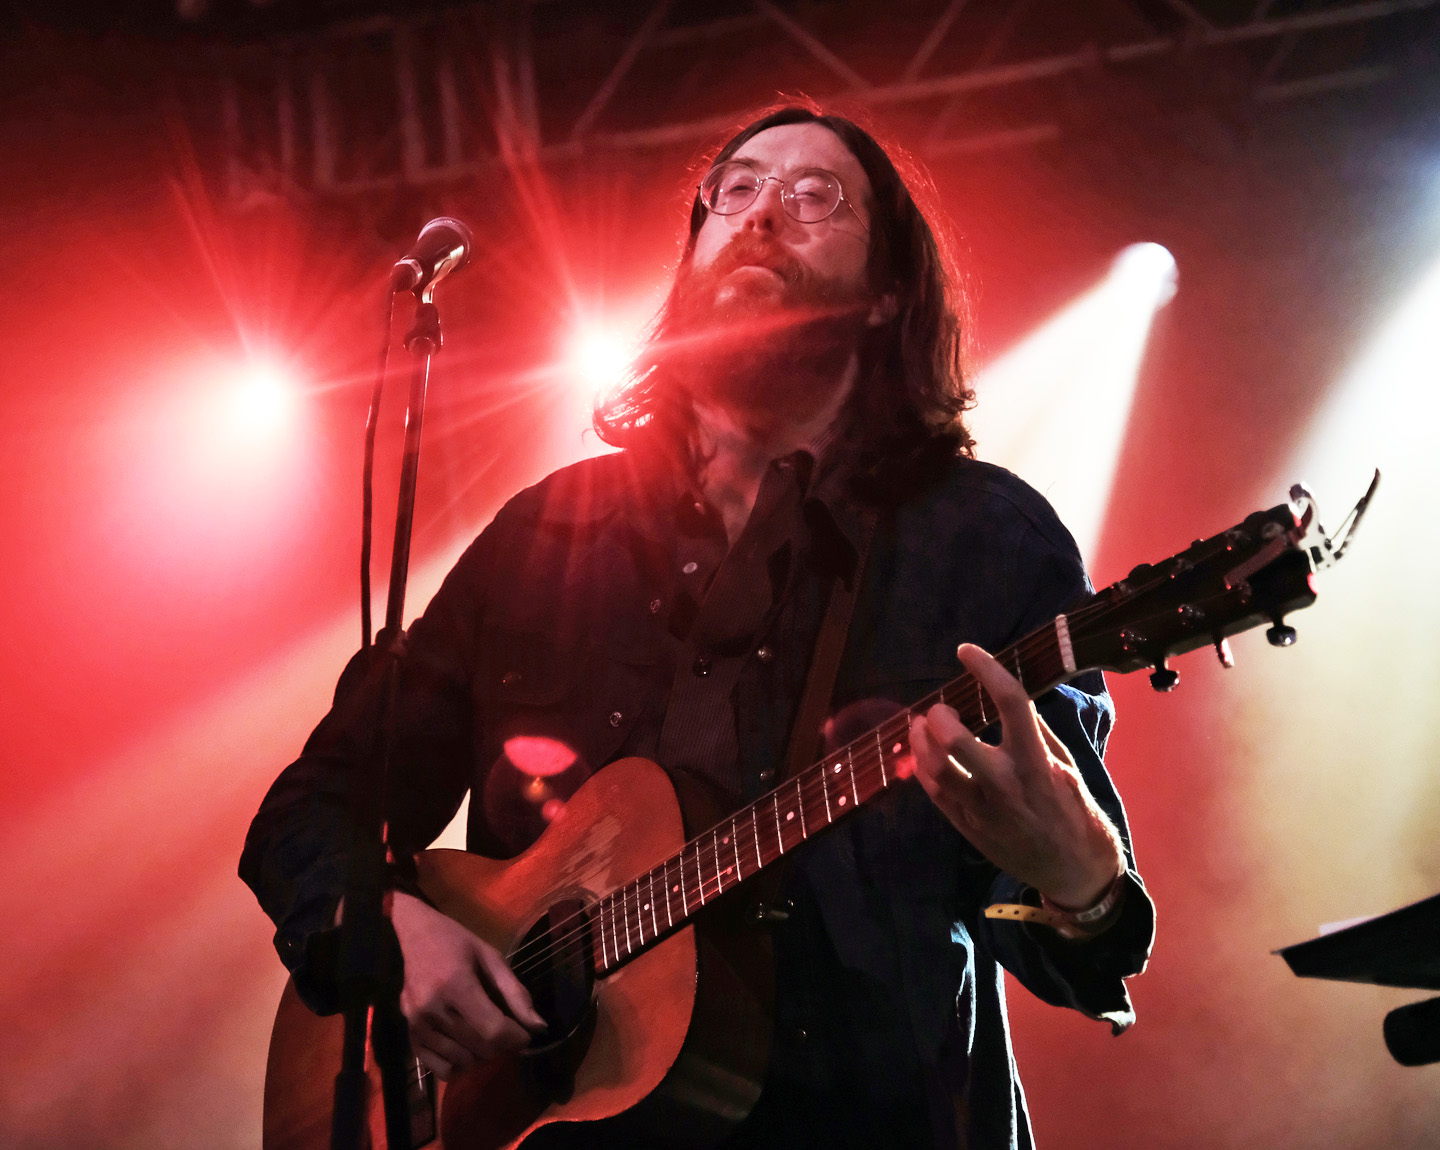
[[625, 930]]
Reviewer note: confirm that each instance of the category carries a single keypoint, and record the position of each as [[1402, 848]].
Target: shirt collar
[[666, 490]]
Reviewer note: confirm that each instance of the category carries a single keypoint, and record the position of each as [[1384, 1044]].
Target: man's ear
[[884, 310]]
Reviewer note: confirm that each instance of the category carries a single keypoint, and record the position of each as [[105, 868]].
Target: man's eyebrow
[[766, 168], [757, 164]]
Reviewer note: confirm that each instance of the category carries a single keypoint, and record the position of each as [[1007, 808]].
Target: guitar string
[[867, 761], [1037, 643], [810, 781], [868, 770], [869, 773]]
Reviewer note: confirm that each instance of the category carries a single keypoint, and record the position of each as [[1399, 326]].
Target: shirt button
[[510, 679], [691, 567], [699, 508], [702, 665], [615, 718], [764, 654], [654, 606], [767, 774]]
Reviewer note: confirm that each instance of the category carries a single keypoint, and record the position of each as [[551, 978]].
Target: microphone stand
[[370, 971]]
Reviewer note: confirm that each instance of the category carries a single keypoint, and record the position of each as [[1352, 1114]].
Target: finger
[[512, 992], [954, 742], [1018, 717], [434, 1063], [475, 1020], [950, 786], [931, 757], [945, 725], [441, 1053]]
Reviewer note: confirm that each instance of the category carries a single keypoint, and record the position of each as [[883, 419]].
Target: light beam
[[1053, 409]]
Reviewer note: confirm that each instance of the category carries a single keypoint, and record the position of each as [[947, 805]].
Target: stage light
[[262, 397], [236, 447], [592, 362], [1148, 272], [599, 356], [211, 465], [1053, 409]]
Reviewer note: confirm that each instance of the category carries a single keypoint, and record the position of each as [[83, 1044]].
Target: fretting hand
[[1022, 804]]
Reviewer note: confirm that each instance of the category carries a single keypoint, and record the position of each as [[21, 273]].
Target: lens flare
[[538, 756]]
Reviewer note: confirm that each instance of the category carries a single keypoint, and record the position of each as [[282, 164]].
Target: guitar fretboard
[[631, 917]]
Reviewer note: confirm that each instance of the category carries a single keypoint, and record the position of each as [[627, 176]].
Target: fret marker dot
[[726, 840], [842, 800], [728, 869], [897, 748], [675, 889], [837, 768], [789, 815], [645, 907]]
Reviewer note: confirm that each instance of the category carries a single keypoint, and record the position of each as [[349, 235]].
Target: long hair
[[905, 415]]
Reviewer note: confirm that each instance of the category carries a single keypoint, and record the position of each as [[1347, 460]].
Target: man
[[794, 423]]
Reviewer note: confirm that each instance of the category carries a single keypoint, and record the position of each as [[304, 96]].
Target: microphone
[[443, 246]]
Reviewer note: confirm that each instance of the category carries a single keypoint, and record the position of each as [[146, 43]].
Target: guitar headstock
[[1256, 572]]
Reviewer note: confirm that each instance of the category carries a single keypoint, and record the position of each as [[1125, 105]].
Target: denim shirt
[[890, 1013]]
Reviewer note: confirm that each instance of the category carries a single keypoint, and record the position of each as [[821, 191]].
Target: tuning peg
[[1223, 652], [1281, 634], [1163, 678]]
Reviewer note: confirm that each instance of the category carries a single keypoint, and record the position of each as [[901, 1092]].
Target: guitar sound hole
[[555, 964]]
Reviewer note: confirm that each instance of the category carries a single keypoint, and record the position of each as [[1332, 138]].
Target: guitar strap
[[829, 649]]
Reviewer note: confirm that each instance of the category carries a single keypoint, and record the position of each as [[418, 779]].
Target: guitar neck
[[633, 916]]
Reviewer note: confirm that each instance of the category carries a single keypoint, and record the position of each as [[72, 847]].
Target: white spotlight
[[262, 397], [1053, 409], [1149, 269]]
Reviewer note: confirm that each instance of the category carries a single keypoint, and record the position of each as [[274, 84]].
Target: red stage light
[[599, 355]]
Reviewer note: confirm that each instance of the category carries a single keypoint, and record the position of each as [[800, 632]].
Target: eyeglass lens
[[809, 196]]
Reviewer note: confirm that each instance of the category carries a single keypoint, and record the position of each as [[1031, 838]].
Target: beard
[[759, 333]]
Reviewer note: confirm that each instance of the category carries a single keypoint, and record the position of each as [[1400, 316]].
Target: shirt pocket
[[530, 684], [520, 669]]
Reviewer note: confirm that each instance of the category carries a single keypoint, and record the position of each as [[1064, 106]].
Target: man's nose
[[767, 211]]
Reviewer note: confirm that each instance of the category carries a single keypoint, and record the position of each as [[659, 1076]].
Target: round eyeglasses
[[809, 196]]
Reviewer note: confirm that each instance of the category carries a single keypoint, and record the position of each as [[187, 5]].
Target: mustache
[[747, 249]]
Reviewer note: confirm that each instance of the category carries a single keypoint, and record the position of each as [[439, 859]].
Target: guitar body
[[676, 1042]]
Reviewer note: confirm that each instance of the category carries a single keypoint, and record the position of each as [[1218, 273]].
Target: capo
[[1327, 550]]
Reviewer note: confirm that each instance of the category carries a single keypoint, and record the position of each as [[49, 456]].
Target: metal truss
[[444, 96]]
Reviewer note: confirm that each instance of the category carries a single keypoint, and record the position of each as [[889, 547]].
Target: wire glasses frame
[[809, 196]]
